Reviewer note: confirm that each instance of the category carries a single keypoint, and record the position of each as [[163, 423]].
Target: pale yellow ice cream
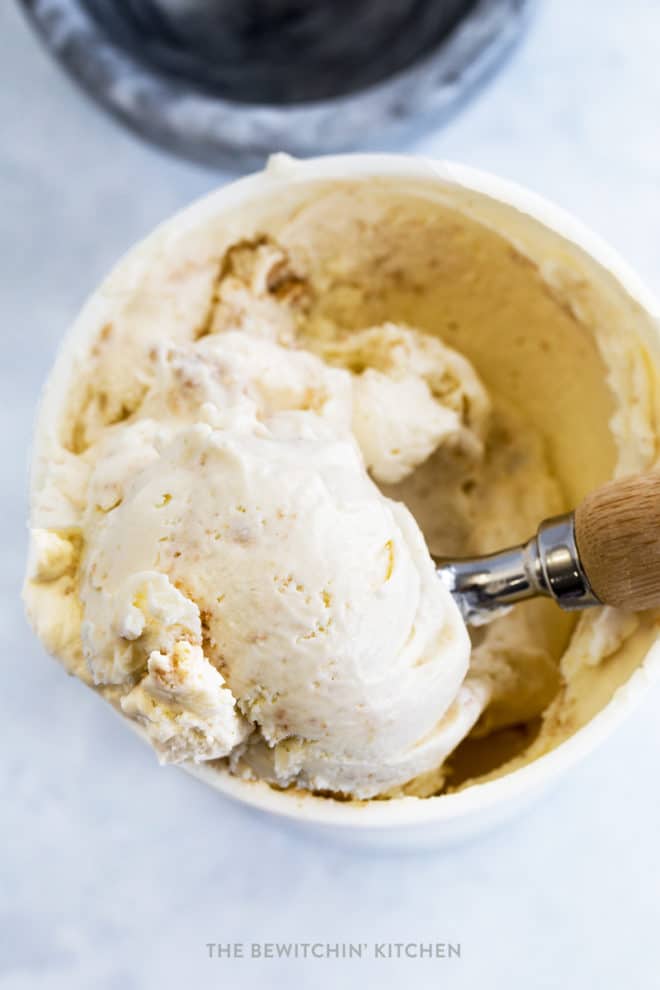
[[245, 586], [260, 434], [244, 579]]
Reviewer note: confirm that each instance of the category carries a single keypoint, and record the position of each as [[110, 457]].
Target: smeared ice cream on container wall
[[261, 427]]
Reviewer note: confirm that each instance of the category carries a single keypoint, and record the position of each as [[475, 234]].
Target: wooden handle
[[617, 531]]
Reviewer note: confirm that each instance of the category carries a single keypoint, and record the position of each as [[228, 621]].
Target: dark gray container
[[228, 81]]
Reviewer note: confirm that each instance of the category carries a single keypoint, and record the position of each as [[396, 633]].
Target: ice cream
[[245, 586], [255, 438], [233, 516]]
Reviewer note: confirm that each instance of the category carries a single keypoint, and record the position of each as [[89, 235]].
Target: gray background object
[[227, 81]]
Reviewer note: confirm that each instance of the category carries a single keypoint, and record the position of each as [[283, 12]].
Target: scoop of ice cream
[[237, 520], [247, 588]]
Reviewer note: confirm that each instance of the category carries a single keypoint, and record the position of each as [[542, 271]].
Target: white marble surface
[[113, 873]]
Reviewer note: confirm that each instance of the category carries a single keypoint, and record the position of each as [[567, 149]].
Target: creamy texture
[[246, 585], [235, 513], [239, 453]]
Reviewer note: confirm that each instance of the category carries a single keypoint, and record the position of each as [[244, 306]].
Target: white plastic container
[[556, 242]]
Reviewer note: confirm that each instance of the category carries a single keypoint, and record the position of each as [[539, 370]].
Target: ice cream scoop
[[231, 577], [607, 552]]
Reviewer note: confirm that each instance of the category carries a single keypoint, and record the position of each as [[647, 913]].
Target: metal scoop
[[607, 552]]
